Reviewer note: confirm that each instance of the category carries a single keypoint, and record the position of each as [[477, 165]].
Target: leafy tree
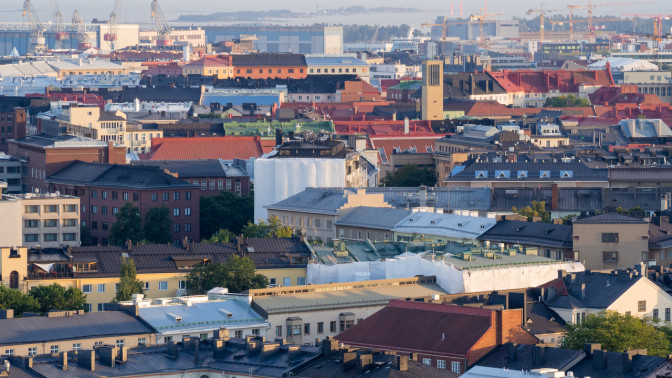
[[237, 274], [157, 225], [129, 284], [537, 209], [57, 297], [225, 211], [221, 236], [271, 228], [566, 101], [17, 301], [85, 235], [409, 176], [618, 332], [128, 225]]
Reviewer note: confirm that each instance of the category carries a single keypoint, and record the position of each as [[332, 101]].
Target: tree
[[409, 176], [271, 228], [566, 101], [129, 284], [221, 236], [537, 209], [85, 235], [157, 225], [17, 301], [225, 211], [617, 332], [57, 297], [237, 274], [128, 225]]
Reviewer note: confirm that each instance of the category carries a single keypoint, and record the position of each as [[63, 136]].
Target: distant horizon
[[139, 12]]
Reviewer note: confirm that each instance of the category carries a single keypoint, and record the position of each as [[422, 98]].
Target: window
[[104, 227], [120, 343], [115, 210], [182, 285], [176, 212], [97, 343], [54, 349], [51, 223], [306, 329], [204, 184], [70, 208], [228, 184], [32, 209], [176, 196], [51, 209], [94, 193], [69, 222], [641, 306], [655, 314], [346, 324], [329, 225], [163, 285], [101, 288], [301, 281], [187, 227], [31, 223], [70, 236], [146, 286], [165, 196], [332, 326], [610, 257], [9, 352], [103, 194], [188, 195], [220, 184], [76, 346], [287, 281], [320, 327], [125, 196], [610, 237], [103, 209], [212, 184], [136, 197], [667, 314], [278, 331], [115, 195], [239, 334], [427, 361], [142, 341], [176, 227], [87, 288], [441, 364], [187, 211], [32, 351], [294, 330], [455, 366], [155, 197], [94, 209], [272, 282]]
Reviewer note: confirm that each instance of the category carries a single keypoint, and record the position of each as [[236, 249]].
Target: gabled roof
[[187, 168], [403, 326], [42, 329], [602, 289], [387, 146], [530, 233], [373, 217], [609, 218], [224, 147], [446, 225], [113, 175], [210, 61], [315, 200]]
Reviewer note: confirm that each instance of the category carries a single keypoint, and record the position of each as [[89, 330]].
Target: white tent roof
[[623, 64]]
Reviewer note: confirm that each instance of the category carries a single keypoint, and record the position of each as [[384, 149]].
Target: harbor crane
[[161, 26], [37, 44]]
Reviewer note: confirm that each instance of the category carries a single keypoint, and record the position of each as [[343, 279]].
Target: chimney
[[591, 348], [172, 350], [365, 361], [107, 355], [583, 291], [401, 363], [185, 243], [221, 333], [110, 148], [329, 347], [600, 359], [86, 359], [406, 126], [7, 314], [218, 347], [538, 355], [123, 354], [197, 358], [626, 363], [642, 269], [554, 197], [63, 360], [349, 358], [278, 137], [512, 350]]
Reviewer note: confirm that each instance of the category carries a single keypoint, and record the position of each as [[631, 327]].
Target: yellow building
[[219, 66], [162, 268], [87, 67]]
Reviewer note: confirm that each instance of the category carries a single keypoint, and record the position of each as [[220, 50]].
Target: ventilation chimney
[[86, 359], [401, 363], [406, 126]]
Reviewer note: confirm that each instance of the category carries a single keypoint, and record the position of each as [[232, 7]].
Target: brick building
[[443, 336], [43, 155], [270, 66], [105, 188], [12, 124]]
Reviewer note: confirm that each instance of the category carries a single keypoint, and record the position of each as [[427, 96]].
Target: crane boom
[[82, 35], [161, 26], [113, 34], [37, 44]]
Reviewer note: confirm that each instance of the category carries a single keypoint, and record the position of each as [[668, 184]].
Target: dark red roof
[[386, 145], [379, 128], [439, 329], [558, 284], [531, 81], [224, 147]]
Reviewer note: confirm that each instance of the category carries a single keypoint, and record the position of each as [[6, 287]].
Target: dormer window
[[545, 174], [481, 174], [522, 174], [566, 174]]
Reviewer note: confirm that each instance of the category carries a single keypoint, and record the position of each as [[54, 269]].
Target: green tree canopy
[[566, 101], [17, 301], [237, 274], [409, 176], [537, 209], [225, 211], [221, 236], [270, 228], [129, 284], [128, 225], [57, 297], [617, 332], [157, 225]]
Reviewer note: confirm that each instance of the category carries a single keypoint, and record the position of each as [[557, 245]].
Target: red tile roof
[[386, 145], [211, 61], [443, 330], [544, 81], [379, 128], [225, 147], [487, 109], [626, 94], [558, 284], [267, 144]]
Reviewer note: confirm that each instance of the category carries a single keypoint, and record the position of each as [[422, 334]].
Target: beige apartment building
[[46, 220], [611, 241], [92, 122]]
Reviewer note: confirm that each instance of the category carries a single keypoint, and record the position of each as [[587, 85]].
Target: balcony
[[41, 275]]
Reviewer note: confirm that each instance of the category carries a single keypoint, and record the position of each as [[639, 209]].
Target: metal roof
[[373, 217], [447, 225]]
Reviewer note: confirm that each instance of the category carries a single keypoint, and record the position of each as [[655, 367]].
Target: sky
[[139, 10]]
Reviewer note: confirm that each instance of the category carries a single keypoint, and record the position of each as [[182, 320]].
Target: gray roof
[[315, 200], [187, 168], [373, 217], [201, 316], [627, 198], [556, 358], [609, 218], [89, 325], [602, 289], [447, 225], [530, 233], [500, 259], [543, 171], [64, 141], [648, 174]]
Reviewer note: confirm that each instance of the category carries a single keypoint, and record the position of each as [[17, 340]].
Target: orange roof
[[225, 147], [211, 61], [267, 145], [386, 145]]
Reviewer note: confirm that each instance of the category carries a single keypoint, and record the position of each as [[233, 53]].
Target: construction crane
[[572, 21], [80, 28], [657, 23], [481, 17], [37, 44], [161, 26], [590, 6], [113, 33], [59, 26], [542, 18], [444, 27]]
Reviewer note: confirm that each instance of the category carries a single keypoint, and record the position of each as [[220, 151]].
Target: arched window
[[14, 280]]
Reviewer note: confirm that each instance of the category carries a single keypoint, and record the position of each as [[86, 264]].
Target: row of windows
[[115, 210], [305, 329], [54, 349], [48, 223], [333, 70], [441, 364], [9, 130], [136, 196], [50, 209], [162, 285], [287, 281], [205, 184], [307, 222], [270, 70], [51, 237]]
